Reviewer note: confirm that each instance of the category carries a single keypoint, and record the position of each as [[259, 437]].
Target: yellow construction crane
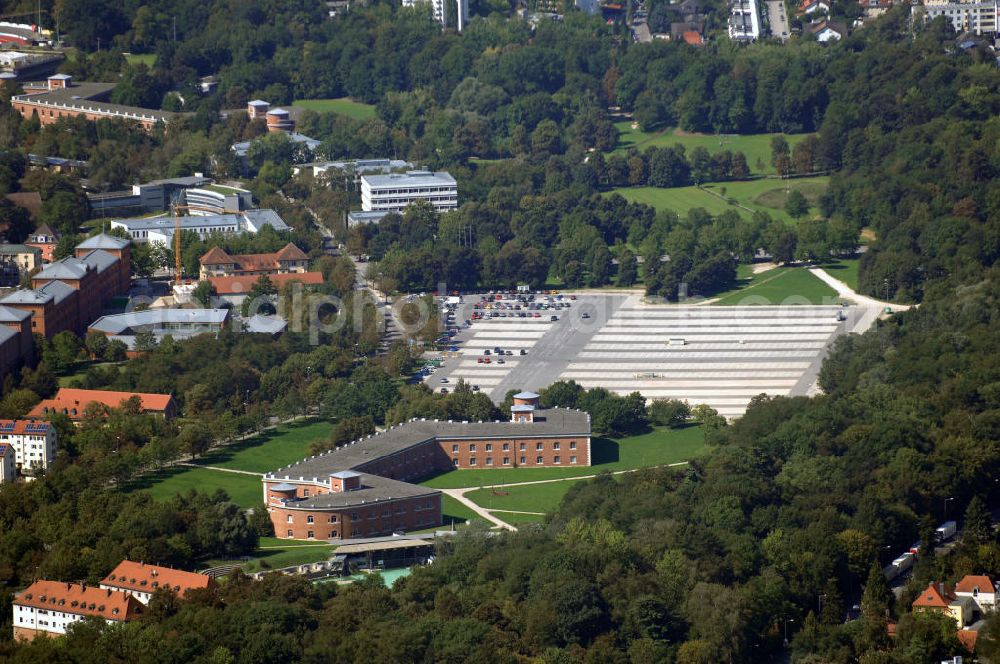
[[178, 270]]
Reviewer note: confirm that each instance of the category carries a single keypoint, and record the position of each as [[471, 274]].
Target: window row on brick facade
[[522, 447], [557, 460]]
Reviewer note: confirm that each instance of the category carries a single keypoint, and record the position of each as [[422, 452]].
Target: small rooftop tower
[[257, 109], [523, 409], [279, 120], [58, 81]]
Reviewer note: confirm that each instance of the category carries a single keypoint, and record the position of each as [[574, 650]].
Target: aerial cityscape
[[549, 331]]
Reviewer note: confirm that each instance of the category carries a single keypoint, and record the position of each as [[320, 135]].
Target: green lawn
[[532, 498], [141, 58], [343, 106], [454, 511], [292, 553], [272, 449], [764, 195], [296, 554], [754, 146], [777, 286], [78, 371], [845, 269], [517, 518], [658, 447], [244, 490]]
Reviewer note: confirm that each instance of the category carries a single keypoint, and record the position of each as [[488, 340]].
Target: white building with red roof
[[980, 589], [50, 607], [141, 581], [33, 443]]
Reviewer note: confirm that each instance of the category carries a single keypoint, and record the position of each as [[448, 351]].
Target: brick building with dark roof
[[365, 489]]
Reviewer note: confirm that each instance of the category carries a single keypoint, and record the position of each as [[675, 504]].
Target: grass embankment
[[844, 269], [531, 498], [765, 195], [658, 447], [342, 106], [782, 285], [268, 451], [756, 147]]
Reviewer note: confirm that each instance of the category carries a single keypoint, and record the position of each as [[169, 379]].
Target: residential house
[[826, 31], [236, 288], [941, 598], [980, 588], [46, 239], [141, 581], [809, 7], [50, 607], [17, 260], [73, 402], [217, 263]]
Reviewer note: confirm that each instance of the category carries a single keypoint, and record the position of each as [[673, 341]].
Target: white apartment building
[[6, 463], [50, 607], [977, 17], [393, 192], [33, 443], [440, 11], [744, 21]]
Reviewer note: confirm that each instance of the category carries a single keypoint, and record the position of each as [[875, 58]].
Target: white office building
[[976, 17], [393, 192], [161, 229], [33, 443]]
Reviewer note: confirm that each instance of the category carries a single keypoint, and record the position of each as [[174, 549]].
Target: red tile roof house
[[49, 607], [217, 263], [980, 588], [73, 402], [941, 598], [141, 581], [235, 289]]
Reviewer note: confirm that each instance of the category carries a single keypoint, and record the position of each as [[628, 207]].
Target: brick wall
[[517, 452], [362, 521]]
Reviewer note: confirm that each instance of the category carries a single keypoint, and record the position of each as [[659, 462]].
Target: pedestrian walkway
[[224, 470]]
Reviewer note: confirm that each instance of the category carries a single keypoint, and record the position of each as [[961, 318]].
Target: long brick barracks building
[[364, 489]]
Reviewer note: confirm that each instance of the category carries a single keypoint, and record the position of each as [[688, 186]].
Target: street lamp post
[[946, 501], [787, 620]]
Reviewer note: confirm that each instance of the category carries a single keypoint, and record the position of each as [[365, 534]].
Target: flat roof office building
[[393, 192]]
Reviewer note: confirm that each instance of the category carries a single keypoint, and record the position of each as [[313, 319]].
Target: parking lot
[[722, 356]]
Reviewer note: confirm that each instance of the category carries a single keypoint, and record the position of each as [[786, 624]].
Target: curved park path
[[488, 515]]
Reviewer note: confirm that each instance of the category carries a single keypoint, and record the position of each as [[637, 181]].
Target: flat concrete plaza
[[721, 356]]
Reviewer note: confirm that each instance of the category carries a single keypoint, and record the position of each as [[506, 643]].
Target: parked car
[[523, 352], [444, 390], [553, 318]]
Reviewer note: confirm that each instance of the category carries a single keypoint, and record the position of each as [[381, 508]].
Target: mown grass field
[[270, 450], [518, 518], [845, 269], [290, 553], [754, 146], [532, 498], [343, 106], [658, 447], [141, 58], [765, 195], [782, 285], [79, 370], [244, 490]]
